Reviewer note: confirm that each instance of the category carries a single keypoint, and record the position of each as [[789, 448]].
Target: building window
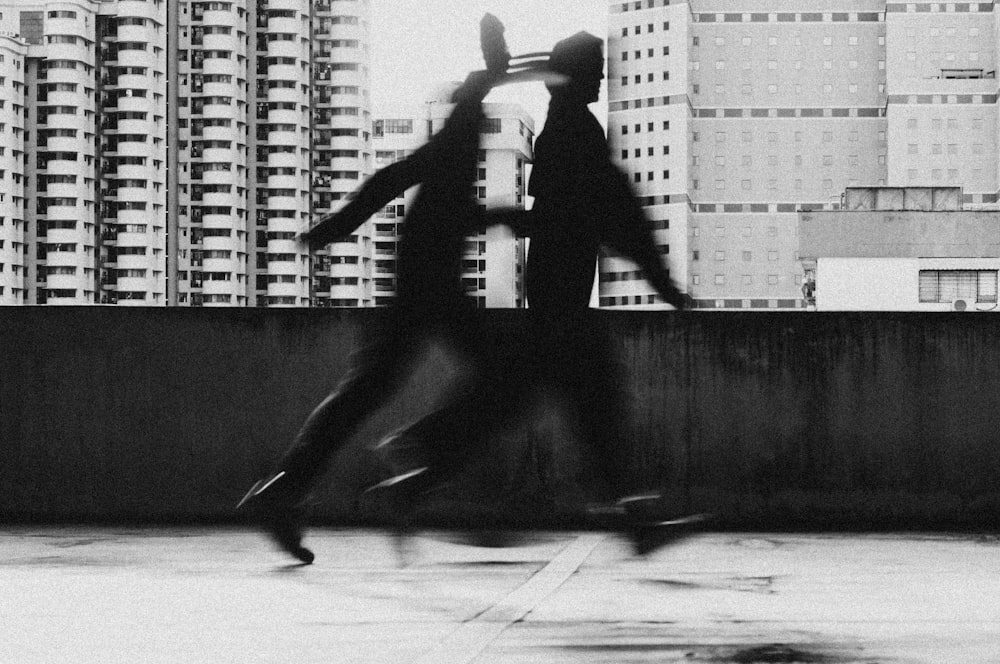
[[492, 126], [950, 285]]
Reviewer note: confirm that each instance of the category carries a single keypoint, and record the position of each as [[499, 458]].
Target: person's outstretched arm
[[518, 220], [385, 185], [631, 235]]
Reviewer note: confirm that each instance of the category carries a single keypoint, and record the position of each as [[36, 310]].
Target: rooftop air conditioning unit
[[960, 305]]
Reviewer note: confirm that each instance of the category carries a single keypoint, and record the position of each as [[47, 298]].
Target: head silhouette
[[581, 59]]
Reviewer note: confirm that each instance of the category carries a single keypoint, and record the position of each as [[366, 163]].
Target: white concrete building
[[190, 193], [212, 204], [131, 71], [12, 240], [95, 173], [494, 261], [342, 147], [731, 117], [59, 169], [280, 181], [902, 249]]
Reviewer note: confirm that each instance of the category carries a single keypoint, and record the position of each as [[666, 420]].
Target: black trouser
[[570, 358], [379, 369]]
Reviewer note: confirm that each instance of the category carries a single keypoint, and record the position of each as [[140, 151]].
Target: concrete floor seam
[[471, 638]]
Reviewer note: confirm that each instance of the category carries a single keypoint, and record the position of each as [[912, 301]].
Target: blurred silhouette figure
[[430, 302], [583, 202]]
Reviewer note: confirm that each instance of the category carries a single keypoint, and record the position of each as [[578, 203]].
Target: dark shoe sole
[[279, 521], [650, 537]]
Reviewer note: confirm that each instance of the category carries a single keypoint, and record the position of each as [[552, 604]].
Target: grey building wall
[[899, 234]]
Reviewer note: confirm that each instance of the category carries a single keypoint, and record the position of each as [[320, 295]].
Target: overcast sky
[[419, 44]]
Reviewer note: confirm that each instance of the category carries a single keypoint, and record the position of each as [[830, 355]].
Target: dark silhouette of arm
[[374, 194], [630, 234], [518, 220]]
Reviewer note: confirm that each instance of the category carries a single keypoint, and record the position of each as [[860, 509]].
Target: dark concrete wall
[[770, 420]]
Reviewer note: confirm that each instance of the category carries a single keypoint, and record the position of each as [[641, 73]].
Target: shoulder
[[572, 133]]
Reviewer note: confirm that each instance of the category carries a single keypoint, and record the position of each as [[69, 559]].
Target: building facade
[[131, 158], [731, 118], [13, 52], [183, 181], [342, 143]]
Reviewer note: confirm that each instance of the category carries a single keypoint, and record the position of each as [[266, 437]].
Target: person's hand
[[308, 240], [680, 301]]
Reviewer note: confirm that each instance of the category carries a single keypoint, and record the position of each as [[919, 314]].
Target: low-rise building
[[901, 249]]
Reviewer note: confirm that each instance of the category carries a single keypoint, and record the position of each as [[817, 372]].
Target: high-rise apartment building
[[494, 260], [183, 180], [58, 168], [94, 173], [730, 117], [212, 93], [342, 148], [131, 151], [12, 240], [281, 149]]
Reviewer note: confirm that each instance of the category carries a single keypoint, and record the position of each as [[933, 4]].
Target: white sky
[[419, 44]]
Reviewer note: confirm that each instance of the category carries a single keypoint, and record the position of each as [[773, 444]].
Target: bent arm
[[631, 234]]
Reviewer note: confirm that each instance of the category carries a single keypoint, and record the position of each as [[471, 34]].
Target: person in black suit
[[430, 303]]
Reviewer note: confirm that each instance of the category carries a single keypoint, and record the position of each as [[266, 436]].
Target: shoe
[[648, 521], [397, 498], [649, 537], [271, 502]]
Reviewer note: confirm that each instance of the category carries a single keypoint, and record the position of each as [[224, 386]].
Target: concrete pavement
[[109, 595]]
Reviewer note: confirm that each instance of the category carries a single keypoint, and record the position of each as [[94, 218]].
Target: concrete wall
[[909, 234], [770, 420]]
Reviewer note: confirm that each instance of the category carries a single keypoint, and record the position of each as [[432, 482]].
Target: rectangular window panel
[[950, 285]]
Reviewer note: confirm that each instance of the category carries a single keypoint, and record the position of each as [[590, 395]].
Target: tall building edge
[[13, 247], [173, 162]]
